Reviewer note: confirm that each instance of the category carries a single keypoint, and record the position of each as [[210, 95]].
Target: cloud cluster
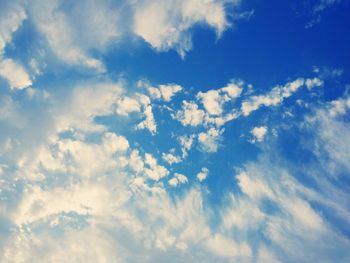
[[74, 31], [86, 183], [74, 188]]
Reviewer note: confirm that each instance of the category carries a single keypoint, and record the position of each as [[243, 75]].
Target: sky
[[174, 131]]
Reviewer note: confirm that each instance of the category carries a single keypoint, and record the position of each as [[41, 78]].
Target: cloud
[[186, 142], [203, 174], [318, 8], [227, 248], [277, 94], [149, 121], [209, 141], [166, 24], [15, 74], [154, 171], [87, 183], [214, 100], [190, 114], [67, 178], [177, 180], [127, 105], [73, 31], [79, 115], [170, 158], [332, 136], [78, 33], [12, 15], [259, 133], [324, 4], [164, 92]]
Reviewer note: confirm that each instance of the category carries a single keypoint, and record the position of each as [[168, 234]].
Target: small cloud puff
[[209, 141], [259, 133], [170, 158], [203, 174], [177, 180]]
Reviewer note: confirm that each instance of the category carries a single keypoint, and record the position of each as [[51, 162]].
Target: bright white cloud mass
[[101, 165]]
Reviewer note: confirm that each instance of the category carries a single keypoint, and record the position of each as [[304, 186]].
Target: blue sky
[[174, 131]]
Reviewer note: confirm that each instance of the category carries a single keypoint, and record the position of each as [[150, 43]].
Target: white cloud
[[76, 33], [149, 121], [233, 89], [154, 171], [259, 133], [166, 24], [324, 4], [203, 174], [339, 107], [265, 255], [190, 115], [210, 140], [252, 187], [72, 32], [170, 158], [164, 92], [331, 144], [96, 187], [214, 112], [178, 179], [277, 94], [242, 214], [12, 15], [186, 143], [214, 100], [227, 248], [15, 74], [78, 114], [127, 105], [211, 101]]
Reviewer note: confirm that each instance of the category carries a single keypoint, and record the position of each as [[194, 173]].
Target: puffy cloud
[[141, 104], [209, 141], [164, 92], [74, 31], [15, 74], [79, 115], [149, 121], [170, 158], [213, 100], [12, 15], [203, 174], [178, 179], [259, 133], [84, 184], [277, 94], [95, 186], [95, 24], [166, 24], [190, 114], [154, 170], [127, 105], [214, 112], [186, 143], [339, 107]]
